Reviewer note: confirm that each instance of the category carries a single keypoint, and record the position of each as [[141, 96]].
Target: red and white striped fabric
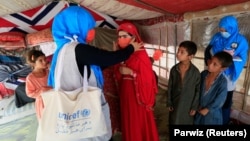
[[41, 17]]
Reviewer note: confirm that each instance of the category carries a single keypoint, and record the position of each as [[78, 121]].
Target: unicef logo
[[85, 112], [234, 45], [76, 115]]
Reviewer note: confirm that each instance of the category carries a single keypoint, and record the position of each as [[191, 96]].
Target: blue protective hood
[[71, 22], [236, 41]]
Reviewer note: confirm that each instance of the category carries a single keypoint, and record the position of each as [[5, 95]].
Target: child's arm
[[204, 111], [219, 98], [196, 98], [170, 109], [192, 112], [45, 88], [32, 89]]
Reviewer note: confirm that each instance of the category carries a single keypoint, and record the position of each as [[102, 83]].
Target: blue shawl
[[73, 22], [236, 41]]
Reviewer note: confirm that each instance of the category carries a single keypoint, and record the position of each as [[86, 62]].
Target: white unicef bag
[[74, 115]]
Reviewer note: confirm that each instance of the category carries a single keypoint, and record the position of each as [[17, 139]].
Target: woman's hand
[[231, 51], [125, 70], [115, 46], [135, 44]]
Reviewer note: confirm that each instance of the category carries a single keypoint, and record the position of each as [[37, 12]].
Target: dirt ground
[[161, 115]]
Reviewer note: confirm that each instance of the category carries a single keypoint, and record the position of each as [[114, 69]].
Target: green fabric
[[104, 38], [20, 130]]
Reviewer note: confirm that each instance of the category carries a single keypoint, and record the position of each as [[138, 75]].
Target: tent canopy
[[125, 9]]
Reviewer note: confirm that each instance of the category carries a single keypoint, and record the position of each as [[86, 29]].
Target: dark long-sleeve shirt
[[90, 55]]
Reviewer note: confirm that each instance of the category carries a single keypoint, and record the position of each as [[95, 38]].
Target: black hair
[[225, 58], [32, 56], [190, 46], [152, 60]]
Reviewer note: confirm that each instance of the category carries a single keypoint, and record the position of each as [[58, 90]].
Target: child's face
[[182, 54], [215, 65], [41, 63]]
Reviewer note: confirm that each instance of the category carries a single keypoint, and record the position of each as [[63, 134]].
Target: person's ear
[[90, 35], [191, 57], [208, 61]]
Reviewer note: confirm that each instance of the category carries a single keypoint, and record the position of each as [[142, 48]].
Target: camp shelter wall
[[166, 35]]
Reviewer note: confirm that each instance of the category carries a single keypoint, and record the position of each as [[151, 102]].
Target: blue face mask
[[225, 34]]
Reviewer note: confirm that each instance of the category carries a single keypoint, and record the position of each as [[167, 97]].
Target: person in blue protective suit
[[72, 29], [230, 40]]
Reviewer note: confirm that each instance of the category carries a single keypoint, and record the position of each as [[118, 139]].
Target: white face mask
[[225, 34]]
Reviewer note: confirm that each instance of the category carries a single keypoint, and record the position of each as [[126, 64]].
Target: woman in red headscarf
[[137, 89]]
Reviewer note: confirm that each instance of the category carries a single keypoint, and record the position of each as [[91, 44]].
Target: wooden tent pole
[[246, 83]]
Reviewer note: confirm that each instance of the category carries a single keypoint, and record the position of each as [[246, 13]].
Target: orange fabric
[[157, 54], [90, 36], [34, 87], [11, 36], [41, 36], [12, 45]]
